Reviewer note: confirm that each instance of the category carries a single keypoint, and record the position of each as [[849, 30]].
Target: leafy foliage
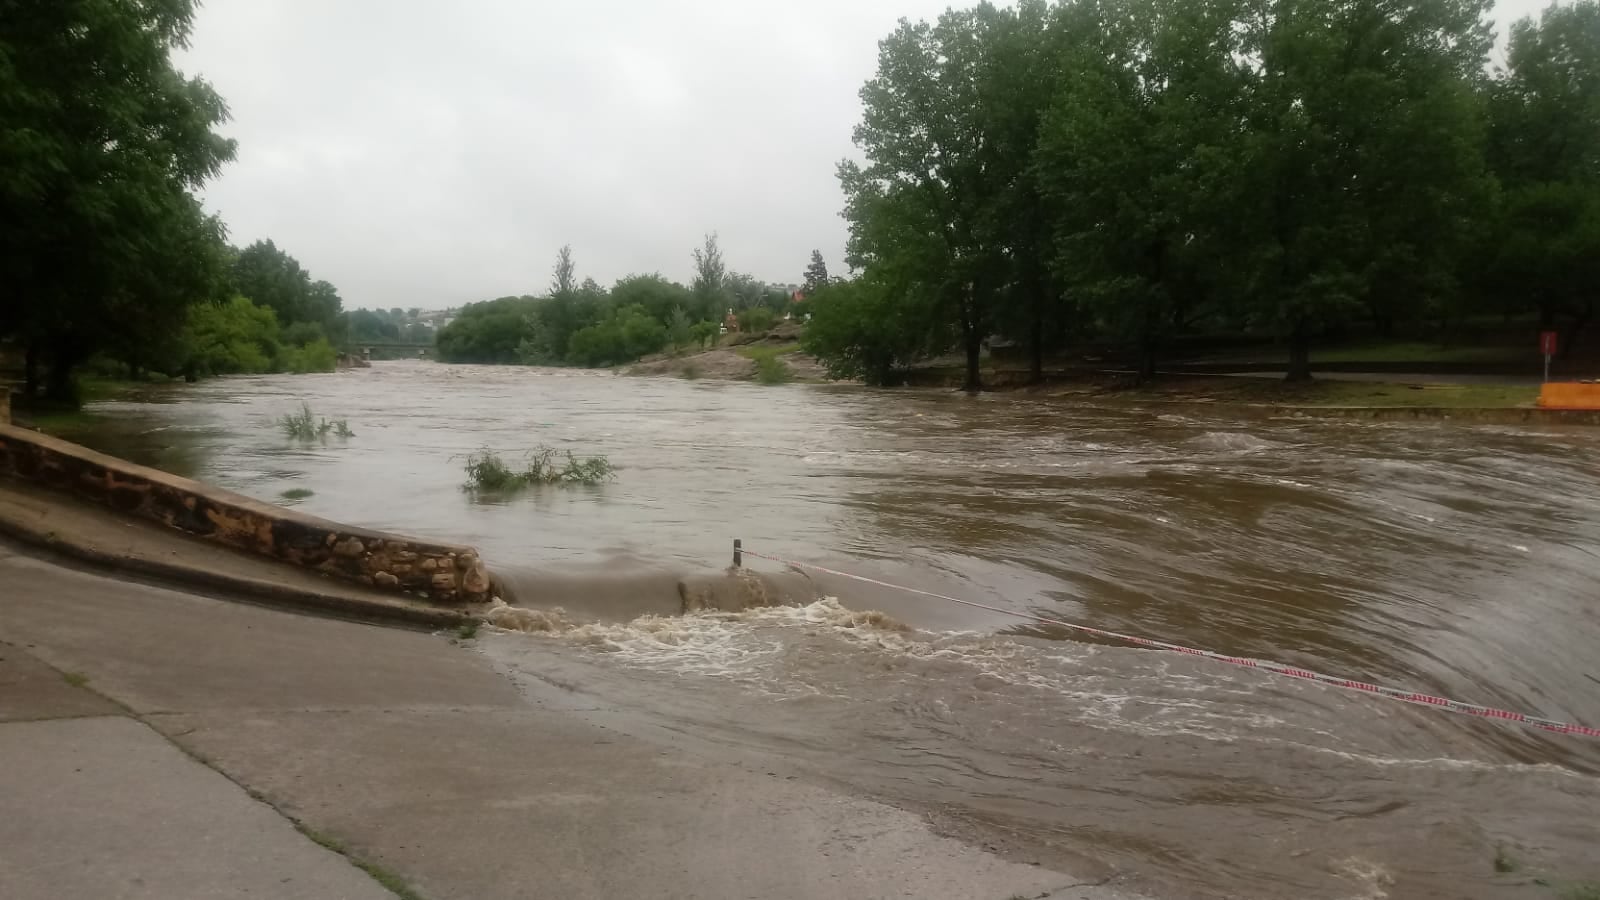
[[586, 325], [816, 274], [274, 279], [488, 332], [230, 338], [624, 336], [1141, 170], [757, 319], [103, 247], [872, 331]]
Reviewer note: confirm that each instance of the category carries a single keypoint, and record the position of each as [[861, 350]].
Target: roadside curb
[[376, 610]]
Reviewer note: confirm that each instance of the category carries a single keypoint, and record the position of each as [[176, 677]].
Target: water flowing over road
[[1452, 559]]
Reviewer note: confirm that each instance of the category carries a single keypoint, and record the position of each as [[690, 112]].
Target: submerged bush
[[305, 426], [486, 471]]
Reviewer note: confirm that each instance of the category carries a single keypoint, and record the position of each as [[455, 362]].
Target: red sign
[[1547, 343]]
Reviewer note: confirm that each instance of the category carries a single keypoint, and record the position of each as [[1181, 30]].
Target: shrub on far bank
[[626, 335], [317, 356], [758, 319], [771, 370]]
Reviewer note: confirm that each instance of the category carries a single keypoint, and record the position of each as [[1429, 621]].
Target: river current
[[1452, 559]]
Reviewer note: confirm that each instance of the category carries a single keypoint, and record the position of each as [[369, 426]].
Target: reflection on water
[[1459, 560]]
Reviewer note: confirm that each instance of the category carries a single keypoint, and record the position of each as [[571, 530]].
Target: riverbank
[[1486, 401], [743, 363]]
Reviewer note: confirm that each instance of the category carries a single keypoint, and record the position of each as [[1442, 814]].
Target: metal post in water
[[738, 553]]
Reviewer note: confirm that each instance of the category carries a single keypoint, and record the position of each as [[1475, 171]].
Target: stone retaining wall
[[447, 574]]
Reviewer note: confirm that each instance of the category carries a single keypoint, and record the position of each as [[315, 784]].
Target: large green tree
[[1136, 160], [103, 246], [711, 291], [1364, 164], [917, 204], [1544, 144], [274, 279]]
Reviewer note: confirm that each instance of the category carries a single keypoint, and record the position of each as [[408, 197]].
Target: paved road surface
[[408, 753]]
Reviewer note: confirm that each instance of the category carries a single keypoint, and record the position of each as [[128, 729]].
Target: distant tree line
[[106, 255], [1134, 171], [584, 324], [396, 325]]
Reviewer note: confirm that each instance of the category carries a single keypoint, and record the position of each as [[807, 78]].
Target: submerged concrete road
[[158, 744]]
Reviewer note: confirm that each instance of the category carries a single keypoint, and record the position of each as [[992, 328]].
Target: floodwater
[[1452, 559]]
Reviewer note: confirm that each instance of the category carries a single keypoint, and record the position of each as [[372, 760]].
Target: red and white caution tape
[[1455, 706]]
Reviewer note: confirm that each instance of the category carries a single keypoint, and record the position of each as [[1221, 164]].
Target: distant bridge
[[388, 350]]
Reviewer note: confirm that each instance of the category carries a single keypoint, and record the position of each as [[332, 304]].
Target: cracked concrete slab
[[105, 807]]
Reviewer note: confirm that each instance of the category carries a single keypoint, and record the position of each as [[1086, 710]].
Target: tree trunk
[[974, 342], [1299, 355], [58, 384], [1579, 322], [1036, 354], [1036, 305], [1147, 361], [30, 371], [972, 336]]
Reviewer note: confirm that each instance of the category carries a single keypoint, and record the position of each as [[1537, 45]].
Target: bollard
[[738, 553]]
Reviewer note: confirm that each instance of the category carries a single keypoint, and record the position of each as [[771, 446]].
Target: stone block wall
[[443, 573]]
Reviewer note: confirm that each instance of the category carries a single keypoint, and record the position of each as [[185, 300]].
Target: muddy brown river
[[1453, 559]]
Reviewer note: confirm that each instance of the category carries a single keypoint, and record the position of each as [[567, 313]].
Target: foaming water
[[1448, 559]]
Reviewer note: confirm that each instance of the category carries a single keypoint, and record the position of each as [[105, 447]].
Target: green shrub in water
[[305, 426], [486, 471]]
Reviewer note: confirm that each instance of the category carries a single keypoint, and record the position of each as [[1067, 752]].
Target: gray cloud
[[427, 154]]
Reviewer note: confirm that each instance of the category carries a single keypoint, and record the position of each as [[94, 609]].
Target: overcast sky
[[430, 154]]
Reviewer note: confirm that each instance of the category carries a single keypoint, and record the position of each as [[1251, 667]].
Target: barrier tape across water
[[1444, 703]]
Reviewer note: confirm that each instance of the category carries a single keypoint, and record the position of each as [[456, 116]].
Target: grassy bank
[[770, 368], [1329, 393], [1385, 352]]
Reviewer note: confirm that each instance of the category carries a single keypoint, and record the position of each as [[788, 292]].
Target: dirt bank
[[725, 364]]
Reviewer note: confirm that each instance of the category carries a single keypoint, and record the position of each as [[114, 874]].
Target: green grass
[[76, 679], [297, 494], [1583, 890], [1386, 352], [52, 420], [769, 368], [1329, 393], [486, 471], [468, 630], [1454, 396]]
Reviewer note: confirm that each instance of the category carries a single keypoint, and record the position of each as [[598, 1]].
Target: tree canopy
[[587, 325], [104, 249], [103, 246], [1135, 171]]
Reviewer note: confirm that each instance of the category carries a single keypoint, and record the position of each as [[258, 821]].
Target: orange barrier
[[1569, 395]]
